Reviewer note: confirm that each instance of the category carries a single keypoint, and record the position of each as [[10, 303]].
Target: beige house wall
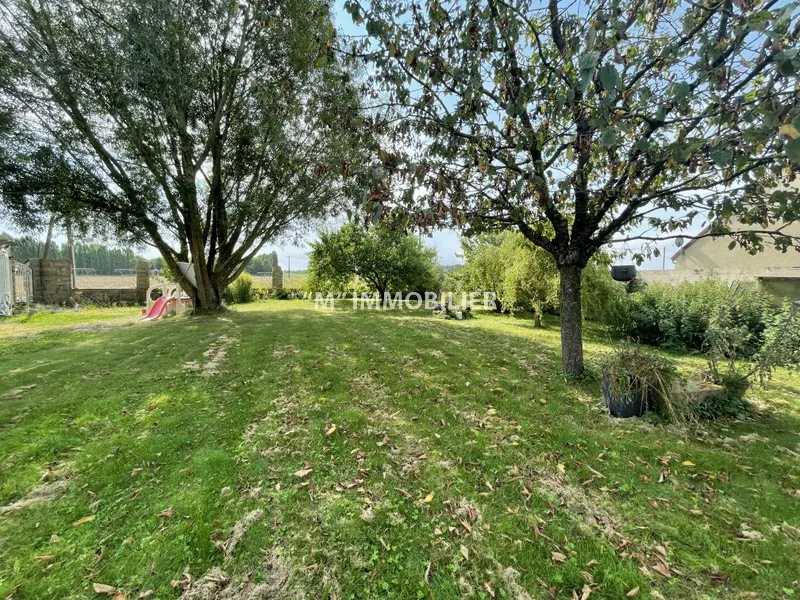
[[713, 254]]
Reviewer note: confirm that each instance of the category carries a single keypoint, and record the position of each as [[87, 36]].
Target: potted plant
[[635, 381]]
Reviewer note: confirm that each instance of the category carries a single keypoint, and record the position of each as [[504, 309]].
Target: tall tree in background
[[385, 260], [579, 123], [206, 128]]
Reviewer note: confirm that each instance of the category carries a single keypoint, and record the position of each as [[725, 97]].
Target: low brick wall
[[104, 297]]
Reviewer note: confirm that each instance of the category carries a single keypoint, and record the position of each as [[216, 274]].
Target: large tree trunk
[[208, 295], [571, 320]]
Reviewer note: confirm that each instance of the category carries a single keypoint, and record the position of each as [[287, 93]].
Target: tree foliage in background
[[525, 277], [38, 186], [203, 128], [263, 263], [102, 258], [578, 123], [385, 260]]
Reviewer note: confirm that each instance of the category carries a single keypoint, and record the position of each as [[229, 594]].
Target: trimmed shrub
[[241, 290]]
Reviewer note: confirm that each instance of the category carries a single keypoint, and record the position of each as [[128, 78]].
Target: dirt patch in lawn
[[365, 386], [238, 531], [577, 501], [216, 353], [16, 393], [285, 351], [44, 492], [217, 585], [510, 578]]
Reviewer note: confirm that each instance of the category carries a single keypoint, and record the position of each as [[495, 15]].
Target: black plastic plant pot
[[623, 407], [623, 273]]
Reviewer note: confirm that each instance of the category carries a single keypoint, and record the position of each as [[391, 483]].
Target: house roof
[[703, 232]]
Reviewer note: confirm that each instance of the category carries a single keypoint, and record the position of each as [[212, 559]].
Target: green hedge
[[679, 316]]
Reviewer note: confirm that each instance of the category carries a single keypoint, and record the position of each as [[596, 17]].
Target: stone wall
[[674, 276], [104, 297], [52, 281], [142, 279], [52, 284]]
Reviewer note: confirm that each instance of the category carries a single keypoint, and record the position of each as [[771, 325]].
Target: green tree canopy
[[386, 260], [525, 277], [581, 123], [205, 128]]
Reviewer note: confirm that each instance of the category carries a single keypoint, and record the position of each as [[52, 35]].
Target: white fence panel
[[6, 282]]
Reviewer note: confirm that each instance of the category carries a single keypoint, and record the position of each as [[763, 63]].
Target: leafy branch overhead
[[576, 123]]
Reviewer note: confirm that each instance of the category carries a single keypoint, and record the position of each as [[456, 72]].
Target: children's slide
[[157, 310]]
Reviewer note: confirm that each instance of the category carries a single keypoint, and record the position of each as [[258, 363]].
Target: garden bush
[[726, 343], [241, 290], [679, 317]]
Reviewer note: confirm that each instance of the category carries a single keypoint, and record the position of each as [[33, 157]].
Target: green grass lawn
[[284, 452]]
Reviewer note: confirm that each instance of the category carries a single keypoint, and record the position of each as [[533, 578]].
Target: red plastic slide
[[157, 310]]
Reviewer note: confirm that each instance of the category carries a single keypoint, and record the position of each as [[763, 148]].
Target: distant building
[[774, 271], [712, 253]]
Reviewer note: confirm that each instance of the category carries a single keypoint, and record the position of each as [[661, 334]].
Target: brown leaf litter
[[218, 585]]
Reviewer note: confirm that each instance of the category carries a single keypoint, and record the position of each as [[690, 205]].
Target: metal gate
[[6, 281], [23, 283]]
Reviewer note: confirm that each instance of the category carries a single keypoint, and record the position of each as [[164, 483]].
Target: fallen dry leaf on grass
[[747, 534], [558, 557], [182, 583], [45, 557], [720, 578], [633, 592], [102, 588], [83, 520], [330, 430], [465, 552], [136, 471], [662, 568], [303, 472], [167, 513]]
